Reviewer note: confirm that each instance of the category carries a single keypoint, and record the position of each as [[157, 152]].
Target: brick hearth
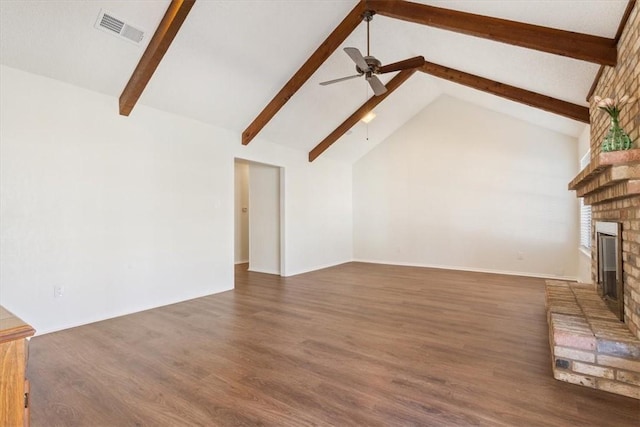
[[589, 345]]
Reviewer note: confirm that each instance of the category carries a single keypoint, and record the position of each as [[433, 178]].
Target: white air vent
[[111, 24]]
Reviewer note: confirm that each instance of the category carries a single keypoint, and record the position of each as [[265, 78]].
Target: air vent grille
[[109, 23]]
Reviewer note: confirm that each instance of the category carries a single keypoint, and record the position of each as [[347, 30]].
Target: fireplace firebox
[[609, 262]]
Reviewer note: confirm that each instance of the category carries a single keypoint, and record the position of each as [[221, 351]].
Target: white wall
[[241, 222], [129, 213], [463, 187], [264, 218]]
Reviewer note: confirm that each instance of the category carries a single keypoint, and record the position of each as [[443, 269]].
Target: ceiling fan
[[369, 65]]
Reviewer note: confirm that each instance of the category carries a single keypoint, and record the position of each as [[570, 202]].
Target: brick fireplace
[[594, 329], [611, 181], [611, 185]]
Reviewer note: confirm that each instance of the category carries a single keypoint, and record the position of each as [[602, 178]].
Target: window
[[585, 212], [585, 225]]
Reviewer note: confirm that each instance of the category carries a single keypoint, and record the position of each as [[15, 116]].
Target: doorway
[[241, 212], [258, 218]]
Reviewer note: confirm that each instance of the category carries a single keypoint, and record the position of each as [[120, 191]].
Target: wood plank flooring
[[353, 345]]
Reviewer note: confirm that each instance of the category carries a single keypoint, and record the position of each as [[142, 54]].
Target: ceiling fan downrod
[[368, 16]]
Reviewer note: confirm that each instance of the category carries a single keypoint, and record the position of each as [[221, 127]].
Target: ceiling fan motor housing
[[373, 63]]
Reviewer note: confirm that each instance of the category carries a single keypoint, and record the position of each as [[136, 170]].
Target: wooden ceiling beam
[[600, 50], [532, 99], [335, 39], [165, 33], [393, 84]]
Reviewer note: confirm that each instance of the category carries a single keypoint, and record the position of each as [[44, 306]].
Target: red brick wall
[[615, 82]]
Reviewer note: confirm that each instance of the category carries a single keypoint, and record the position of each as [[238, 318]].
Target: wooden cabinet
[[14, 399]]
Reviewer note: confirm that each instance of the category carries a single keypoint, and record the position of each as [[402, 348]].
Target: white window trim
[[586, 224]]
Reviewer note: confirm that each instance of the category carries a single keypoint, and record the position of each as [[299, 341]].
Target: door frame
[[282, 221]]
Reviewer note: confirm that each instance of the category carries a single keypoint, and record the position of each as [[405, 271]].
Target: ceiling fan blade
[[357, 57], [376, 85], [415, 62], [341, 79]]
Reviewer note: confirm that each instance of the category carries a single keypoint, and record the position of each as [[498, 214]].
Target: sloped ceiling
[[231, 57]]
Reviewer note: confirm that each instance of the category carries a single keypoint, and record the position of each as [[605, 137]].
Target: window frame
[[585, 215]]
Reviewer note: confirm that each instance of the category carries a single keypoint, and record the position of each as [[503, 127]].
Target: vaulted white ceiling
[[231, 57]]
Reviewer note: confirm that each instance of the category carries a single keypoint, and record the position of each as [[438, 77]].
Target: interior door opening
[[258, 217]]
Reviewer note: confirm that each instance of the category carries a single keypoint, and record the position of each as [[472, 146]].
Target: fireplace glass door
[[610, 268]]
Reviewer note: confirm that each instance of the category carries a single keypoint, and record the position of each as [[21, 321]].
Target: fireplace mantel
[[609, 176]]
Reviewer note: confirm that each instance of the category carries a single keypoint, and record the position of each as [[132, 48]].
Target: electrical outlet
[[58, 291]]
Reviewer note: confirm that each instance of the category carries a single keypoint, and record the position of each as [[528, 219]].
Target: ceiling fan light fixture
[[368, 117]]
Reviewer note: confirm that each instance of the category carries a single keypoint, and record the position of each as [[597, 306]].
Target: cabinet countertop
[[12, 327]]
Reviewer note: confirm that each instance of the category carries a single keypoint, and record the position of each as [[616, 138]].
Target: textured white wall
[[129, 213], [463, 187], [264, 218], [241, 223]]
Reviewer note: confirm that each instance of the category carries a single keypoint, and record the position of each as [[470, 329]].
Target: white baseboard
[[130, 310], [253, 270], [472, 269], [315, 268]]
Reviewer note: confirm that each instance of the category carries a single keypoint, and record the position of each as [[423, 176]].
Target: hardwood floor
[[357, 344]]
